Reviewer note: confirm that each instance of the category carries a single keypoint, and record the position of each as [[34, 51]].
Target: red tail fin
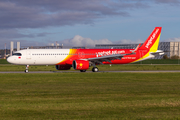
[[152, 41]]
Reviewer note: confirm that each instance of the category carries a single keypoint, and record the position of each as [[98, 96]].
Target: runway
[[159, 71]]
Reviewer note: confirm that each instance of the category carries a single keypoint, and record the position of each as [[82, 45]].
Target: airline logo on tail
[[151, 38], [150, 47]]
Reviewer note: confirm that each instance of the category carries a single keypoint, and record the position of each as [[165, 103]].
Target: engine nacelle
[[80, 64], [63, 67]]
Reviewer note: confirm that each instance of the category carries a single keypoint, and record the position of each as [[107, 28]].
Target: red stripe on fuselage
[[76, 54]]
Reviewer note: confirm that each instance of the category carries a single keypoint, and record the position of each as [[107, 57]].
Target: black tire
[[82, 70], [95, 69]]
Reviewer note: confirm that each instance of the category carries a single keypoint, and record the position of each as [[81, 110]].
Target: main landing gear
[[82, 70], [26, 71], [95, 69]]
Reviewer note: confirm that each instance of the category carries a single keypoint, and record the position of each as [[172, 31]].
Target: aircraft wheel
[[95, 69], [26, 71], [82, 70]]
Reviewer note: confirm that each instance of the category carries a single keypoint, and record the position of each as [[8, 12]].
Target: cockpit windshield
[[17, 54]]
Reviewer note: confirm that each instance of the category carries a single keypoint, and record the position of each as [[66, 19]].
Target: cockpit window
[[16, 54]]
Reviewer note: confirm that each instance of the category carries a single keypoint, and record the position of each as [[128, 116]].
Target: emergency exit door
[[28, 55]]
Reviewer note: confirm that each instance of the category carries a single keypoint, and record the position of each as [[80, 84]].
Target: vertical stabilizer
[[152, 41]]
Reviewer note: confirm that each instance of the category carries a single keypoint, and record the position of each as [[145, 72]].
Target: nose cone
[[10, 60]]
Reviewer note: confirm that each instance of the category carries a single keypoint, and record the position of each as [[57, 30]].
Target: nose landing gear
[[26, 71]]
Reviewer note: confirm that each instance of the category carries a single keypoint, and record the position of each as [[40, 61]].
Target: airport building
[[170, 48]]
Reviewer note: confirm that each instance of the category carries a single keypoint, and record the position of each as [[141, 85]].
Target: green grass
[[90, 96], [3, 61], [128, 67], [159, 61]]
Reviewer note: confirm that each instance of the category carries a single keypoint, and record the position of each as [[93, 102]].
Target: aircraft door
[[28, 54]]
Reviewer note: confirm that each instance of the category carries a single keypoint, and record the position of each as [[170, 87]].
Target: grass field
[[3, 61], [90, 96], [128, 67]]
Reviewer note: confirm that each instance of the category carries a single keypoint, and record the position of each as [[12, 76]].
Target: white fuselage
[[39, 56]]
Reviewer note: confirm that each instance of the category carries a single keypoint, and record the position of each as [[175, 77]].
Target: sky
[[86, 22]]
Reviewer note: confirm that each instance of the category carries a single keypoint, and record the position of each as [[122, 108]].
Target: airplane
[[82, 59]]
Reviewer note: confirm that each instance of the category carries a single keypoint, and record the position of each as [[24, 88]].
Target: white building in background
[[170, 48], [18, 46], [174, 48]]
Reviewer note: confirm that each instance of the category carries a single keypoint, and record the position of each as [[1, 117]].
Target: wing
[[108, 58], [157, 53]]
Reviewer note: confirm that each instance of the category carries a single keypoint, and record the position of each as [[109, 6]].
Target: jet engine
[[63, 67], [80, 64]]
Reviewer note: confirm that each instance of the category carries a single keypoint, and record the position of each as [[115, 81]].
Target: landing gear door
[[28, 54]]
